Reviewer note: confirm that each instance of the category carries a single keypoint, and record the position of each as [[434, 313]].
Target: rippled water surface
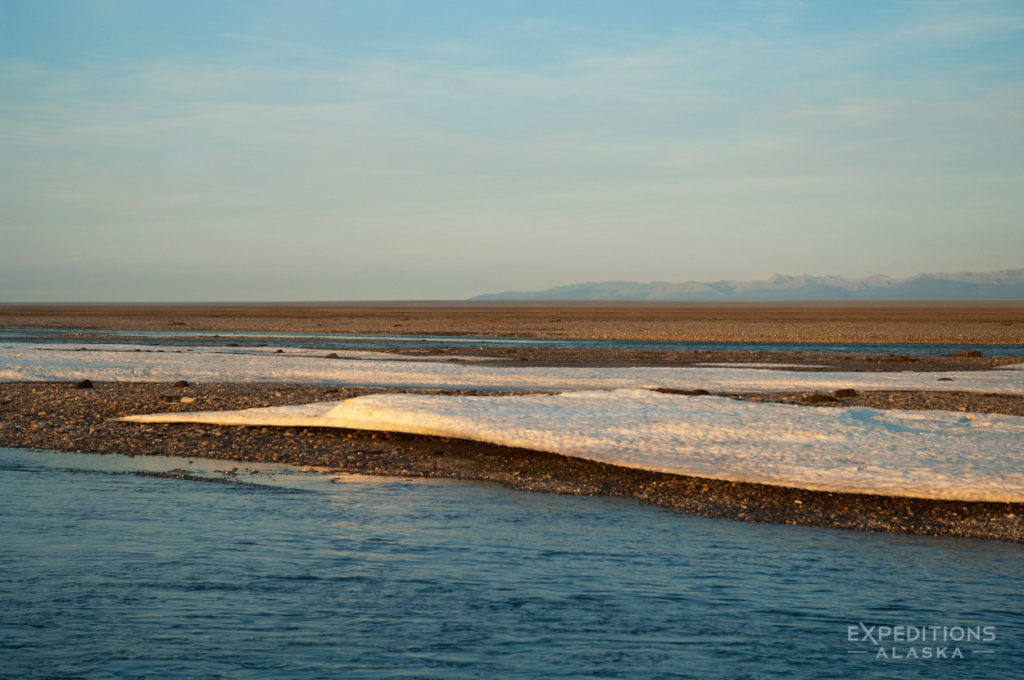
[[111, 575]]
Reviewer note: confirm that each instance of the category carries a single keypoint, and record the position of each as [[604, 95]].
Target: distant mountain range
[[1002, 285]]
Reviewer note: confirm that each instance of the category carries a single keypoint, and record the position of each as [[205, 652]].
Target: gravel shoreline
[[798, 361], [57, 416]]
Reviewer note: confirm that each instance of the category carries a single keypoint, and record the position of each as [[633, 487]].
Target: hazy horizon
[[502, 297], [254, 151]]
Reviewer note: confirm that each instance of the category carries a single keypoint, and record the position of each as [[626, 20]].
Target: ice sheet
[[930, 454], [137, 363]]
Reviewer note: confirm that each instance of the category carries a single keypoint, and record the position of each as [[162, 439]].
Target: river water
[[399, 342], [299, 575]]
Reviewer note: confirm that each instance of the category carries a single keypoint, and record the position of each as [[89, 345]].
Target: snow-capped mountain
[[1007, 284]]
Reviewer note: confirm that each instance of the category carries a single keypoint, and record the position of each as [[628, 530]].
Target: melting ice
[[929, 454], [106, 362]]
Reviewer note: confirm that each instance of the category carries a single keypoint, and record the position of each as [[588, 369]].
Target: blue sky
[[408, 150]]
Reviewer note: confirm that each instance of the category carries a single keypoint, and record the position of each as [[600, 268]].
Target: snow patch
[[142, 363], [929, 454]]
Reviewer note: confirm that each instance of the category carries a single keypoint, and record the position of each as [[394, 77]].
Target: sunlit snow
[[139, 363], [931, 454]]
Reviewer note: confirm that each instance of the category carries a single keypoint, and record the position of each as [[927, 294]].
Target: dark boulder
[[817, 398]]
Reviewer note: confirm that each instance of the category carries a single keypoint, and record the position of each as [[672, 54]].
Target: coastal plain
[[56, 416], [853, 322]]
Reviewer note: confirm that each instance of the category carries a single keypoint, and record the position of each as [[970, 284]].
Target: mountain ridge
[[1005, 284]]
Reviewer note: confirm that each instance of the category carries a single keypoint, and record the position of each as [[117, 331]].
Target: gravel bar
[[63, 417]]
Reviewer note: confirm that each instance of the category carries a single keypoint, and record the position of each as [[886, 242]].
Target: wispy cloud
[[693, 140]]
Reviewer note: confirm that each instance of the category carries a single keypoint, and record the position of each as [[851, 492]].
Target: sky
[[376, 150]]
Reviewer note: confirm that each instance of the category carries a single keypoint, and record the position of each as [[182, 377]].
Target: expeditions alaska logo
[[920, 642]]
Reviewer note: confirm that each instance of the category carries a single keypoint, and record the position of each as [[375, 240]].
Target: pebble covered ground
[[805, 361], [68, 417]]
